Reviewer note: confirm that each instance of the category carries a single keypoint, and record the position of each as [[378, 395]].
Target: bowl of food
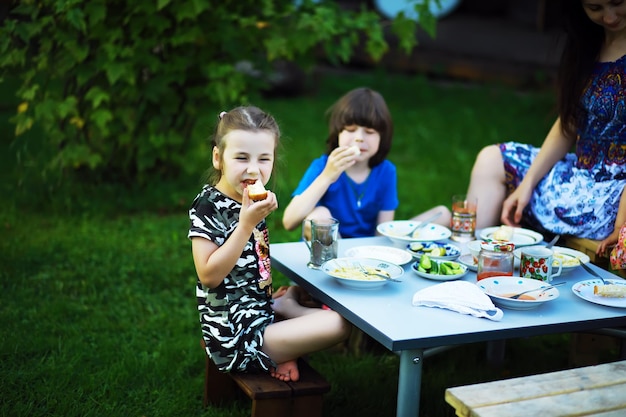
[[362, 273], [401, 232], [438, 269], [436, 250], [501, 289]]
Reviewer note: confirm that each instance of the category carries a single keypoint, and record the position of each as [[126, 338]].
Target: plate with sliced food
[[438, 270], [436, 250], [518, 235], [595, 291]]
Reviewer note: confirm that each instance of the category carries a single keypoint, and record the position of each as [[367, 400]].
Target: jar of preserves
[[495, 259]]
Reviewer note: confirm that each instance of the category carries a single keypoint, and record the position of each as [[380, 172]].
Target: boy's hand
[[340, 159]]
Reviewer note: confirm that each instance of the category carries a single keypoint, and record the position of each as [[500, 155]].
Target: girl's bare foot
[[286, 371]]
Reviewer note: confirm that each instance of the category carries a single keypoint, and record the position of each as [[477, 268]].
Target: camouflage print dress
[[234, 315]]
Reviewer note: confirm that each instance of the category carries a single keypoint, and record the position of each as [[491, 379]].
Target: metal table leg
[[409, 383]]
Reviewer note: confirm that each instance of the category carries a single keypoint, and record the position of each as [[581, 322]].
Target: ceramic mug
[[324, 242], [537, 263]]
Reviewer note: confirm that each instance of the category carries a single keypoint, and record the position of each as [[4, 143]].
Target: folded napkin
[[460, 296]]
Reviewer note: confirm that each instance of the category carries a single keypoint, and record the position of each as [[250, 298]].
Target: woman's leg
[[487, 186], [305, 330]]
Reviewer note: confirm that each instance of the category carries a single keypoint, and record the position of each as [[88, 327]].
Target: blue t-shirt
[[356, 206]]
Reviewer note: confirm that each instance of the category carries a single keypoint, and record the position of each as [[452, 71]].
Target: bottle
[[495, 259]]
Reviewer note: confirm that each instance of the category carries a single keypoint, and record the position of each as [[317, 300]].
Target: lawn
[[97, 308]]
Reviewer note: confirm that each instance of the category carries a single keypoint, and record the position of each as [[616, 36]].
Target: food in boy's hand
[[431, 266], [610, 290], [503, 233], [355, 150], [256, 191]]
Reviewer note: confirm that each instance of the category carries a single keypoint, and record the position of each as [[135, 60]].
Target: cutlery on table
[[592, 272], [378, 273], [424, 223], [542, 289], [553, 241]]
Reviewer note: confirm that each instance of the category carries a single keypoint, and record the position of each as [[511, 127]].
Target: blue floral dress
[[580, 195]]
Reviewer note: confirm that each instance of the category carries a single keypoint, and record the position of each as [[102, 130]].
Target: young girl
[[352, 182], [230, 246]]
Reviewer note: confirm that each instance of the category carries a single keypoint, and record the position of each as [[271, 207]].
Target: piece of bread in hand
[[355, 149], [256, 191]]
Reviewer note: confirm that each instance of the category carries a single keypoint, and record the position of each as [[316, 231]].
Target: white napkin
[[460, 296]]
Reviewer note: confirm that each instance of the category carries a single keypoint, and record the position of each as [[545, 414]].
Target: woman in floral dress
[[551, 188]]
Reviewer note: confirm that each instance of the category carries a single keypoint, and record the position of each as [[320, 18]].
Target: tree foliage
[[121, 88]]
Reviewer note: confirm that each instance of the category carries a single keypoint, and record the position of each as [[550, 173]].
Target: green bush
[[122, 89]]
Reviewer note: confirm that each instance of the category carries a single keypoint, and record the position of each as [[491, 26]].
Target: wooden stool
[[270, 396]]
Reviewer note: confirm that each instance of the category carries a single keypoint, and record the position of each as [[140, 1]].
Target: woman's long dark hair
[[583, 42]]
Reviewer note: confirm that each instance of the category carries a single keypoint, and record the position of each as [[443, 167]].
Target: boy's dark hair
[[363, 107]]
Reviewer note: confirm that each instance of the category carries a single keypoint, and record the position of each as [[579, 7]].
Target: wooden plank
[[599, 387], [591, 402]]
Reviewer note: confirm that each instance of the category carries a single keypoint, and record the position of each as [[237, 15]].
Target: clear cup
[[463, 224], [324, 242]]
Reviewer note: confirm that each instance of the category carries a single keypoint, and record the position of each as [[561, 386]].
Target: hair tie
[[222, 114]]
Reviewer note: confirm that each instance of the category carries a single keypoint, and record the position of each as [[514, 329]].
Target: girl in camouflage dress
[[230, 246]]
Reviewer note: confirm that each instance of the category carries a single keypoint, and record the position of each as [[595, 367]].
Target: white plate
[[521, 237], [452, 251], [468, 261], [584, 289], [345, 271], [497, 287], [384, 253], [396, 231], [567, 257], [437, 277]]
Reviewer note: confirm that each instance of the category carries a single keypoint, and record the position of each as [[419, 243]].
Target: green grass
[[97, 305]]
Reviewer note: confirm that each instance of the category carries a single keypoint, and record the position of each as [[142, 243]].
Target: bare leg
[[487, 186], [305, 330]]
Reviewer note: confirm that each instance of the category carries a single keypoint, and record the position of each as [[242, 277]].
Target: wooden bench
[[592, 390], [270, 397]]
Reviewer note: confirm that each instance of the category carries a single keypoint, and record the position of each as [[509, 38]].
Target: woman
[[550, 188]]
